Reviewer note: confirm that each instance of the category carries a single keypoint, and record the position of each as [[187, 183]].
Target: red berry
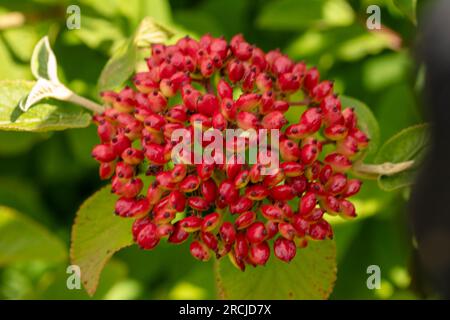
[[191, 224], [292, 168], [321, 230], [103, 153], [272, 229], [271, 212], [307, 203], [259, 253], [106, 170], [138, 225], [207, 104], [148, 237], [290, 151], [286, 230], [235, 70], [244, 220], [198, 203], [299, 184], [189, 184], [178, 172], [338, 162], [211, 221], [256, 233], [209, 240], [301, 225], [248, 102], [132, 156], [209, 190], [177, 200], [353, 186], [165, 230], [199, 251], [311, 79], [284, 249], [242, 179], [241, 246], [179, 235], [241, 205], [256, 192], [336, 184], [124, 170], [227, 233], [282, 192], [347, 209], [246, 120], [228, 192]]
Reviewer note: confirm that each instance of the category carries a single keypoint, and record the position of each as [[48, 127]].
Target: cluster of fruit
[[228, 208]]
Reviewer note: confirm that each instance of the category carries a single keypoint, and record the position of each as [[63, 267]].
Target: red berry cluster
[[229, 209]]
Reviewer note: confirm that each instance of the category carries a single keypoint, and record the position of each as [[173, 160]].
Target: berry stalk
[[383, 169]]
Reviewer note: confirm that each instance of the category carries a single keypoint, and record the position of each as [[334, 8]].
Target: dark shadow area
[[430, 199]]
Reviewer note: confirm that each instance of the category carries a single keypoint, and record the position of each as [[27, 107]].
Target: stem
[[300, 103], [208, 86], [86, 103], [385, 169]]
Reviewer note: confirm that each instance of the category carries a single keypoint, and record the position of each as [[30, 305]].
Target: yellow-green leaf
[[96, 235], [46, 115], [311, 275], [409, 144], [122, 64]]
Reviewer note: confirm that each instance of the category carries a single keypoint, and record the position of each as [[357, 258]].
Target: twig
[[86, 103], [300, 103], [208, 86], [383, 169]]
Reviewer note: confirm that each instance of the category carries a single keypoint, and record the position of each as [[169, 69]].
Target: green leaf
[[408, 8], [98, 33], [296, 14], [122, 64], [22, 239], [43, 61], [44, 68], [44, 116], [96, 235], [149, 31], [311, 275], [119, 67], [349, 43], [366, 122], [409, 144]]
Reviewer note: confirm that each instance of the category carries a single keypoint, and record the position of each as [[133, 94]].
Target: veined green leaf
[[96, 235], [122, 64], [409, 144], [310, 275], [46, 115]]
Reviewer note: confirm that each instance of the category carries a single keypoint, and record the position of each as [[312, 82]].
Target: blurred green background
[[45, 177]]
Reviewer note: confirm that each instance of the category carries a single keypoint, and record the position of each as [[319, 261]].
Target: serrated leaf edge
[[96, 278]]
